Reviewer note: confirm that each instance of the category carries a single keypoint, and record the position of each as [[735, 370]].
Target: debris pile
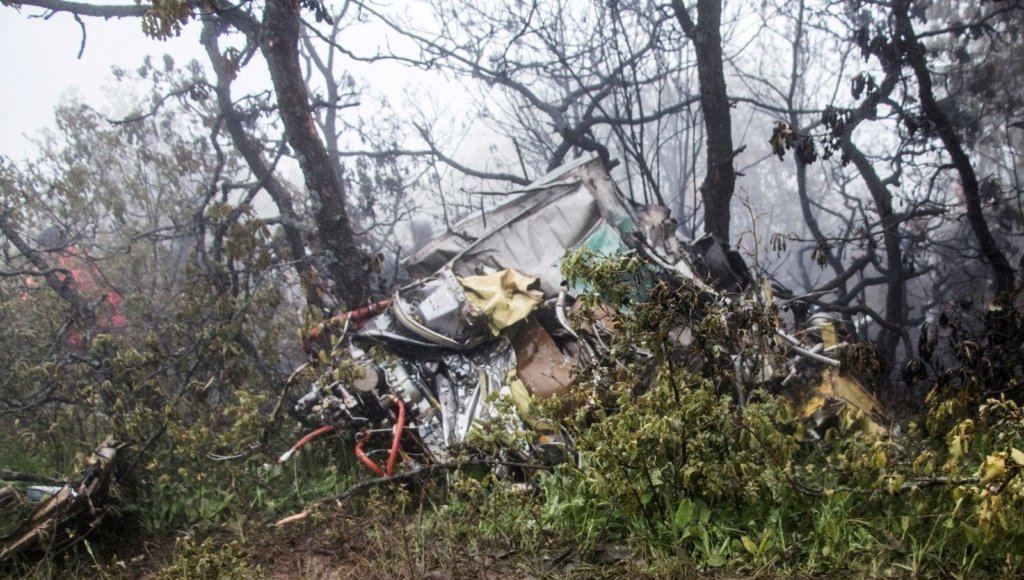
[[484, 331], [78, 506]]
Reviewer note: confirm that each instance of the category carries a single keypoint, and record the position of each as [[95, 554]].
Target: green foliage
[[678, 458], [207, 559], [166, 18], [673, 466], [189, 375]]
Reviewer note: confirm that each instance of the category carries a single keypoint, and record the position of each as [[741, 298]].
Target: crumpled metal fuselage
[[482, 333]]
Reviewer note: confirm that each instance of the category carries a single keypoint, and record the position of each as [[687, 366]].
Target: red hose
[[396, 441], [358, 316], [397, 438], [355, 317], [302, 442], [366, 460], [368, 310]]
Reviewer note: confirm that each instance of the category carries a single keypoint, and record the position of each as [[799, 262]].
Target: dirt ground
[[340, 546]]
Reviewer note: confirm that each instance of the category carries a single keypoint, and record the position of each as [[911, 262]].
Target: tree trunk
[[895, 303], [720, 179], [346, 263], [250, 151], [1002, 272]]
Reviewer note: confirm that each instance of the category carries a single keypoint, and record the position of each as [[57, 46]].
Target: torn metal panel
[[535, 240], [833, 396], [438, 310], [442, 249], [543, 368], [458, 313], [531, 233], [837, 395]]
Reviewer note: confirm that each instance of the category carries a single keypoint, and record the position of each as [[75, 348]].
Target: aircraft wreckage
[[482, 334], [484, 330]]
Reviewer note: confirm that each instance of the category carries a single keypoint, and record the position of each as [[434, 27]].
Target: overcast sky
[[41, 68], [39, 60]]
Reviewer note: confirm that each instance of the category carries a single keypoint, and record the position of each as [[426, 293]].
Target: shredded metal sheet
[[532, 233]]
